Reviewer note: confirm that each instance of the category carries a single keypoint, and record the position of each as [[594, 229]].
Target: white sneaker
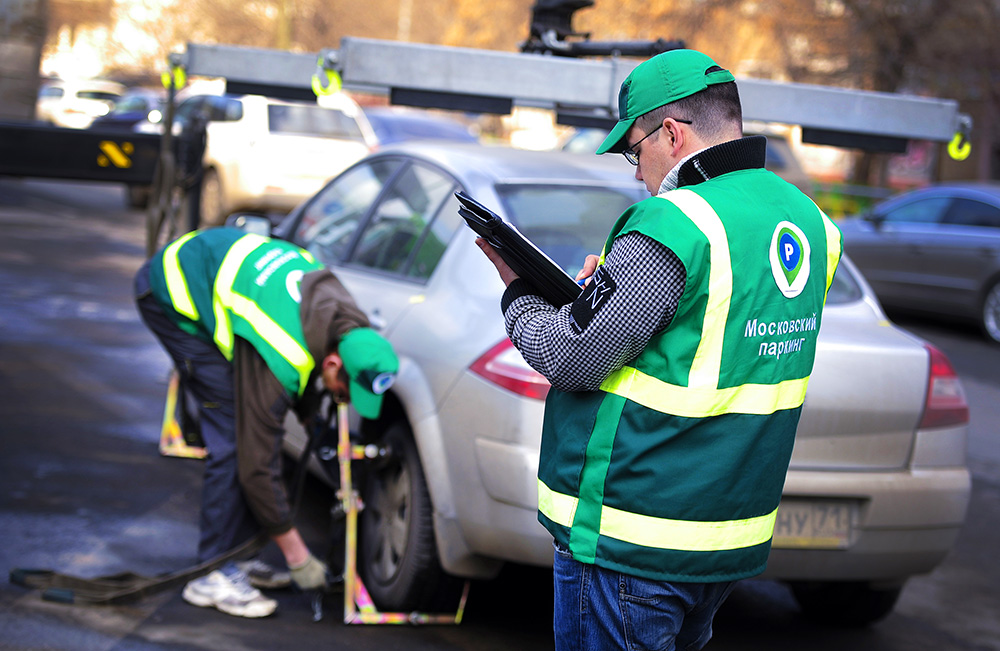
[[262, 575], [232, 594]]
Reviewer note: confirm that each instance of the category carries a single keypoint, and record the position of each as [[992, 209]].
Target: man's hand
[[507, 274], [310, 575], [589, 267]]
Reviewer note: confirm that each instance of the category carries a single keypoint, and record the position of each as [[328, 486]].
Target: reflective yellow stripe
[[177, 286], [707, 361], [223, 334], [685, 535], [702, 402], [274, 335], [662, 533], [224, 289], [832, 248], [557, 507]]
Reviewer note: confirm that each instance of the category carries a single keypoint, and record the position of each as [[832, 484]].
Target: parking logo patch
[[789, 257]]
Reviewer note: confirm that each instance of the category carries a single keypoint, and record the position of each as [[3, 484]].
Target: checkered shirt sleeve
[[649, 280]]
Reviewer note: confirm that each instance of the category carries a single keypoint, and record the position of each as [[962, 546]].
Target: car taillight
[[503, 365], [945, 405]]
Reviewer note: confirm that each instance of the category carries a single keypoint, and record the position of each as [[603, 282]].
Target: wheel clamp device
[[358, 605]]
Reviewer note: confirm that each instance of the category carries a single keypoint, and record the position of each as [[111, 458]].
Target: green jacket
[[222, 283], [674, 469]]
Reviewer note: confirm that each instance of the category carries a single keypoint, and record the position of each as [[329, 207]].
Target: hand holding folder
[[526, 260]]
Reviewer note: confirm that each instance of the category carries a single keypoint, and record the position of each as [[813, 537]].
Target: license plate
[[813, 524]]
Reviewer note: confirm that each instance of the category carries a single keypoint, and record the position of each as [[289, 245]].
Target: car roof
[[983, 190], [394, 124], [503, 165]]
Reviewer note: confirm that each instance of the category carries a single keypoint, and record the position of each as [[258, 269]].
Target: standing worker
[[679, 374], [250, 324]]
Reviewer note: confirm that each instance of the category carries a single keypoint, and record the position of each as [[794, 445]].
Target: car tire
[[990, 313], [213, 203], [849, 604], [397, 554]]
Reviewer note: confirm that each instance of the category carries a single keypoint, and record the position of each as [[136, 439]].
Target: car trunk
[[843, 426]]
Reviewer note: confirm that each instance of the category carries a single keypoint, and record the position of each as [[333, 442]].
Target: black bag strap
[[129, 586], [125, 586]]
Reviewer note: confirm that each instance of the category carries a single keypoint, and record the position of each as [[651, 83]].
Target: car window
[[311, 121], [844, 289], [330, 220], [921, 211], [432, 244], [224, 109], [98, 94], [969, 212], [132, 103], [567, 222], [400, 228], [188, 107]]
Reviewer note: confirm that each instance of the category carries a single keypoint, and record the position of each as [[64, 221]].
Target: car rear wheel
[[845, 603], [991, 313], [397, 554]]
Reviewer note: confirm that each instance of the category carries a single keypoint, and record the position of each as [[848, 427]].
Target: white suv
[[265, 154]]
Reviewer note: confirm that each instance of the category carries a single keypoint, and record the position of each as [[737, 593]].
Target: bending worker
[[252, 324], [679, 373]]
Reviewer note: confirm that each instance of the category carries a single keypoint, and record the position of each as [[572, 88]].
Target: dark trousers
[[226, 521]]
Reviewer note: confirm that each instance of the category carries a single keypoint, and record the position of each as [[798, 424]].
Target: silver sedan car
[[877, 488], [934, 250]]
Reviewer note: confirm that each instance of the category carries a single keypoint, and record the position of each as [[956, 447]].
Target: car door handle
[[376, 320]]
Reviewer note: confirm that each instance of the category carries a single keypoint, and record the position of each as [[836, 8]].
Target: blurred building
[[22, 33]]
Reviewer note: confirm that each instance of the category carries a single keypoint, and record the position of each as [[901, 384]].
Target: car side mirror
[[250, 223], [874, 219]]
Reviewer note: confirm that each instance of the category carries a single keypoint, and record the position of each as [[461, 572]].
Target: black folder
[[527, 260]]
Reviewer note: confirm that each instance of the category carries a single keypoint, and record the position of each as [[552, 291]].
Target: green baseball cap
[[371, 366], [666, 78]]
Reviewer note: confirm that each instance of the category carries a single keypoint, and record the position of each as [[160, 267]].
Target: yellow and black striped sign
[[113, 153], [83, 154]]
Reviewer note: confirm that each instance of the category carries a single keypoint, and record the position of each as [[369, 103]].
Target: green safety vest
[[674, 469], [222, 283]]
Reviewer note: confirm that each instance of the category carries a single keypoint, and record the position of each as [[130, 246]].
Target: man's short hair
[[713, 112]]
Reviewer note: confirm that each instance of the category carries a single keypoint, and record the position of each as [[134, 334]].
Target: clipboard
[[527, 260]]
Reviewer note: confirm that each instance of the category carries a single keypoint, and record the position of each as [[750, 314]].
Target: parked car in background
[[135, 105], [265, 154], [934, 250], [396, 124], [780, 158], [76, 103], [877, 488]]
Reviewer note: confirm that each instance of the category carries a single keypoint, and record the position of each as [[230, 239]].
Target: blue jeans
[[226, 520], [599, 609]]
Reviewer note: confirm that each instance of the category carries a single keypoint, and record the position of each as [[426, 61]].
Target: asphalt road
[[84, 491]]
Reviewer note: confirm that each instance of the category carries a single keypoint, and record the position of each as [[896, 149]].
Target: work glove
[[310, 575]]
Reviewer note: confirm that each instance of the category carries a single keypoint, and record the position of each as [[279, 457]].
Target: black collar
[[743, 154]]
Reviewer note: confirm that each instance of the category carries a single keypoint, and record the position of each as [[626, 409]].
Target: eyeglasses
[[632, 156]]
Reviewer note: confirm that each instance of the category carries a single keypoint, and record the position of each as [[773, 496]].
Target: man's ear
[[333, 361], [672, 131]]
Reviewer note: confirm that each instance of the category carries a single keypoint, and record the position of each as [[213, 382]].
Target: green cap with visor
[[666, 78], [371, 366]]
